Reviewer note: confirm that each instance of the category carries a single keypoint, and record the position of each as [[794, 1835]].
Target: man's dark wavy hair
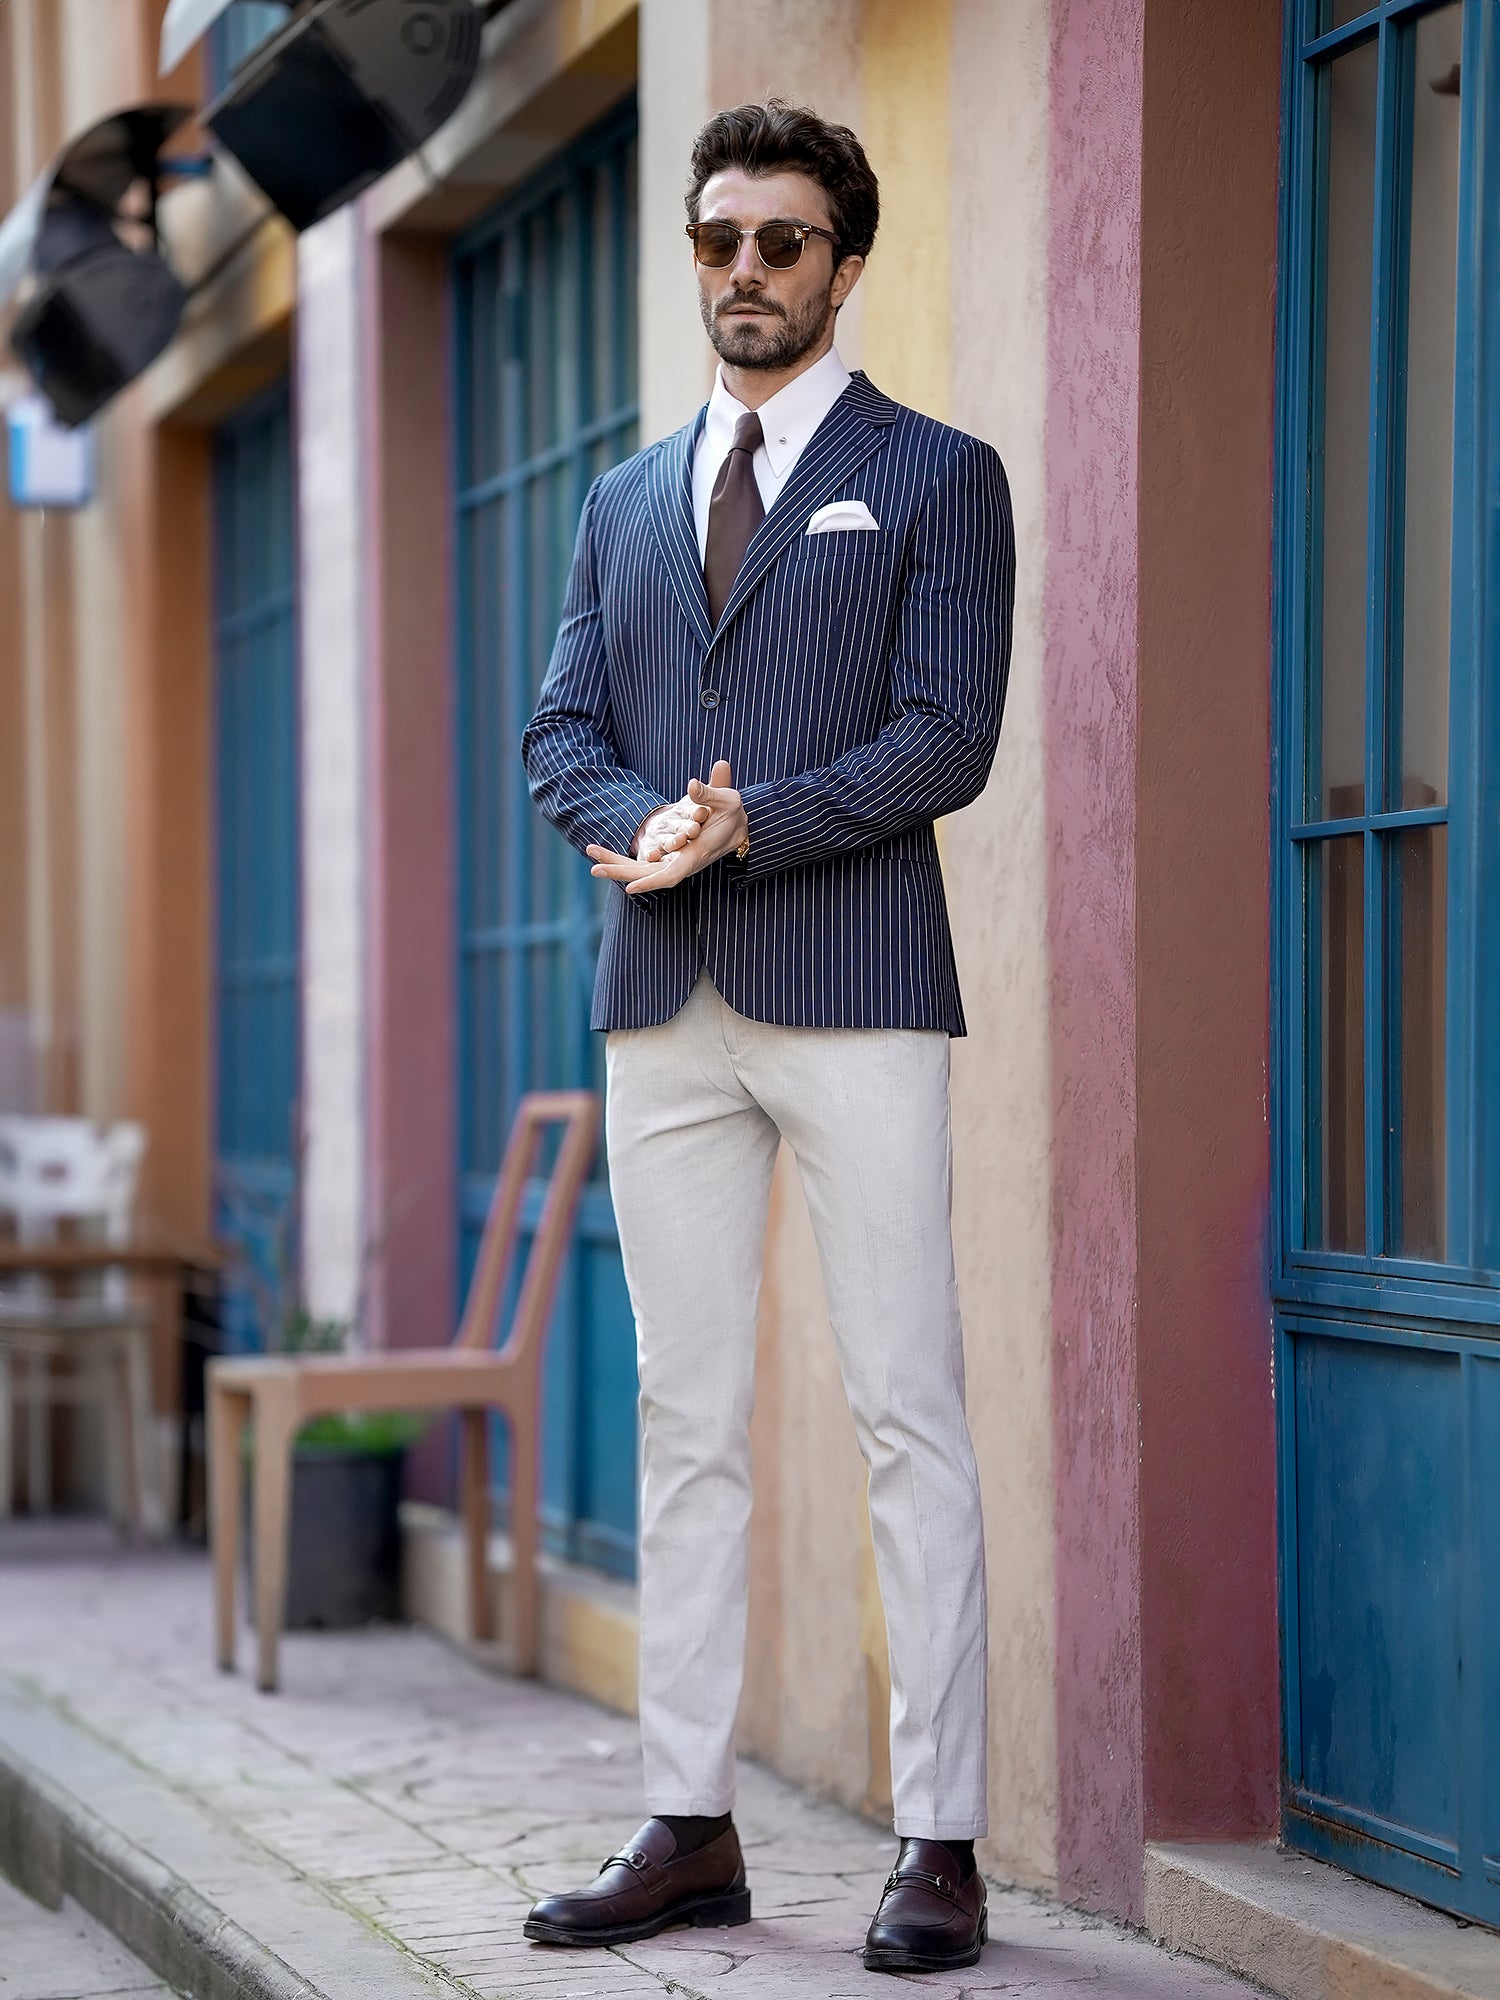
[[774, 138]]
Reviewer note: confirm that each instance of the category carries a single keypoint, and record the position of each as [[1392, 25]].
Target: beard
[[777, 341]]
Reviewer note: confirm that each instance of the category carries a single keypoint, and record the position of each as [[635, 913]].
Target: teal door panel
[[1386, 947], [544, 317], [1482, 1631], [1379, 1534], [256, 930]]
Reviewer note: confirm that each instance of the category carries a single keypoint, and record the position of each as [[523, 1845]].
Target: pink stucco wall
[[1158, 673], [1091, 729]]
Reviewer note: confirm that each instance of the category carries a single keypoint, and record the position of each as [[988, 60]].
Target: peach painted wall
[[38, 658], [101, 65], [411, 1003]]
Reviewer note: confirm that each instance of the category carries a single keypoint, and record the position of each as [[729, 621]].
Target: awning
[[99, 166], [186, 22]]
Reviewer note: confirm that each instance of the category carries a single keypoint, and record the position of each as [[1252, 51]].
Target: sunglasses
[[777, 244]]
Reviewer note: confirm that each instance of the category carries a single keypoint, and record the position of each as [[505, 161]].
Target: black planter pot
[[344, 1545]]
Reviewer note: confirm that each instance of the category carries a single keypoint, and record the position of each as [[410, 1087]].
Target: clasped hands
[[679, 839]]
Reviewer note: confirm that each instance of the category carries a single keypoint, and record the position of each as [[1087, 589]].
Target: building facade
[[1217, 285]]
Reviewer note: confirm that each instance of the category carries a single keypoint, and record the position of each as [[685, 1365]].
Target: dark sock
[[963, 1853], [692, 1831]]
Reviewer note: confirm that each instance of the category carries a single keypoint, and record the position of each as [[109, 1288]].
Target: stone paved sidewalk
[[433, 1801]]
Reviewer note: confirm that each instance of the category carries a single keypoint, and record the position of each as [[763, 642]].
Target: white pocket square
[[840, 514]]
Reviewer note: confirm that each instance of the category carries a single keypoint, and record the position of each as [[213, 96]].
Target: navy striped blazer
[[855, 684]]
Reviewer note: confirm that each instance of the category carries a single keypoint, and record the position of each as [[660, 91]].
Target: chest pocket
[[830, 569]]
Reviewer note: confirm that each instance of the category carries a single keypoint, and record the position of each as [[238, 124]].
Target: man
[[782, 655]]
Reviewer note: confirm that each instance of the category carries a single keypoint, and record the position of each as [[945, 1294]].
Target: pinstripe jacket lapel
[[669, 498], [857, 425]]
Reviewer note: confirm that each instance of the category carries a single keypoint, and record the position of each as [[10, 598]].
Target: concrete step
[[1310, 1932], [211, 1914], [63, 1954]]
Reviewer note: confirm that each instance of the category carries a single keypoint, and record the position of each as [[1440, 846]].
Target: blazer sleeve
[[575, 775], [949, 664]]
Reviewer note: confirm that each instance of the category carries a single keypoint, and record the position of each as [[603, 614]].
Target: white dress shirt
[[788, 421]]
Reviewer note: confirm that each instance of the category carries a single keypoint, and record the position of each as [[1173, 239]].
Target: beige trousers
[[696, 1109]]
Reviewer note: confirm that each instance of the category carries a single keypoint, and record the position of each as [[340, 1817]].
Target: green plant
[[352, 1433], [299, 1333], [375, 1431]]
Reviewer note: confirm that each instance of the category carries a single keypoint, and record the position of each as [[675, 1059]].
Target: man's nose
[[747, 264]]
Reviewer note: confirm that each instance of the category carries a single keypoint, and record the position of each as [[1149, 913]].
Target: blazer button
[[709, 698]]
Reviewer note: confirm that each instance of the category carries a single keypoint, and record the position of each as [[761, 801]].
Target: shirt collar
[[789, 418]]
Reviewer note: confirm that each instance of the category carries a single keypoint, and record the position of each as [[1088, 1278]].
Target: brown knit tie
[[734, 514]]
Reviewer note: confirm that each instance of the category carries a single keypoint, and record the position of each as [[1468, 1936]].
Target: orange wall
[[170, 753]]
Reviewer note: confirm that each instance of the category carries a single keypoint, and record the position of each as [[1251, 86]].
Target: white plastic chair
[[69, 1173]]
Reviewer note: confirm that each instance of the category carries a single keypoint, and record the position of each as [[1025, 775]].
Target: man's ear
[[845, 278]]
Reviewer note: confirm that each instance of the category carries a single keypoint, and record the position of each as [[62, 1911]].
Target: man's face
[[769, 319]]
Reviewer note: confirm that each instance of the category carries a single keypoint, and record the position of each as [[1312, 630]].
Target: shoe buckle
[[939, 1882], [636, 1859]]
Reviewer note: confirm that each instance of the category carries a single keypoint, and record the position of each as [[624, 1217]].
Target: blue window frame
[[1386, 947], [238, 33], [1387, 765], [545, 326], [256, 956]]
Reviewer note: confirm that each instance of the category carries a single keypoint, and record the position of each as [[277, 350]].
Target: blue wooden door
[[256, 857], [544, 296], [1387, 949]]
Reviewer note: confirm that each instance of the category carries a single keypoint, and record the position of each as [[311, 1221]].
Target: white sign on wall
[[50, 465]]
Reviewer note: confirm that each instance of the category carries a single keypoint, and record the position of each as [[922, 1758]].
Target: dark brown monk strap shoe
[[928, 1921], [645, 1888]]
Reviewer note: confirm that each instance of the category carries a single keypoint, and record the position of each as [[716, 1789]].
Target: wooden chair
[[70, 1179], [281, 1392]]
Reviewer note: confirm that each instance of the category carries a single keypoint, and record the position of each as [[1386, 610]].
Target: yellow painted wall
[[995, 868], [905, 123]]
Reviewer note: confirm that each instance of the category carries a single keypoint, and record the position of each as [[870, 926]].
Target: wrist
[[643, 829], [738, 851]]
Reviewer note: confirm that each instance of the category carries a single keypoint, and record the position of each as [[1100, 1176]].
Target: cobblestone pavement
[[64, 1955], [435, 1801]]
